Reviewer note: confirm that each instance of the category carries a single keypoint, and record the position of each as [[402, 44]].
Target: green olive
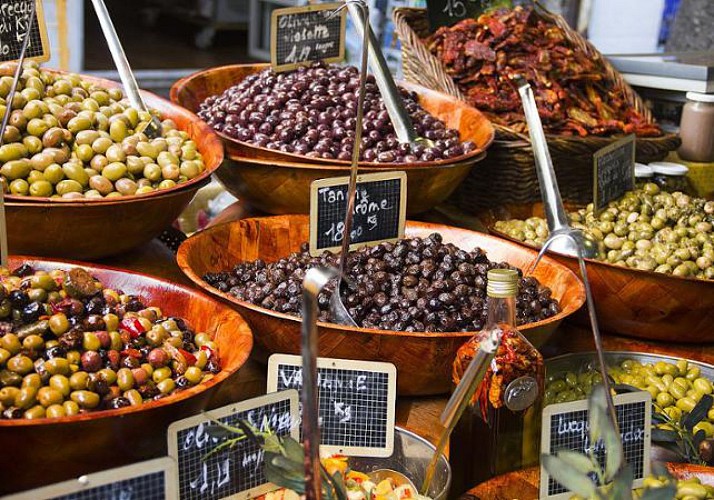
[[114, 171], [85, 399]]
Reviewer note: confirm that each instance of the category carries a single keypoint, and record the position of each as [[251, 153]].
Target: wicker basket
[[507, 175]]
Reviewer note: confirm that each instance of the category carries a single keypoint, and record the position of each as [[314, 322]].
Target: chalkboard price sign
[[379, 213], [236, 471], [356, 401], [14, 22], [614, 171], [300, 35], [150, 480], [448, 12], [565, 427]]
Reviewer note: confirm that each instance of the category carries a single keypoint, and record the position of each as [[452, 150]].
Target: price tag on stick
[[300, 35], [565, 427], [150, 480], [235, 472], [14, 23], [356, 402], [379, 213], [614, 172]]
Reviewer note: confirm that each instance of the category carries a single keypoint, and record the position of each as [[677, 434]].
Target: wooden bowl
[[221, 247], [637, 303], [524, 484], [92, 229], [279, 187], [192, 90], [37, 452]]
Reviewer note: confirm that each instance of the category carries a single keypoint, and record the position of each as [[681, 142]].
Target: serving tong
[[152, 129]]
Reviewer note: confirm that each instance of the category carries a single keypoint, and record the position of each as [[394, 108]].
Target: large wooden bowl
[[192, 90], [423, 360], [279, 187], [91, 229], [641, 304], [524, 484], [37, 452]]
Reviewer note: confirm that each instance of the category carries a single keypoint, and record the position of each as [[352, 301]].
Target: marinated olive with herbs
[[74, 139], [413, 284], [312, 111], [646, 229], [83, 347]]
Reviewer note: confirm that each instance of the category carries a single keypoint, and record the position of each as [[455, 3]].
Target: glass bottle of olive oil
[[500, 429]]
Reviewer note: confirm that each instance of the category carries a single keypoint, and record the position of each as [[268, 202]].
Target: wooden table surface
[[419, 414]]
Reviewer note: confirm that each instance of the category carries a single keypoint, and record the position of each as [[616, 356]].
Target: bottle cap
[[668, 168], [502, 283], [643, 171], [699, 97]]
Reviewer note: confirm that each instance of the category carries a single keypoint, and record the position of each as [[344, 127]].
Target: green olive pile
[[687, 489], [70, 138], [646, 229], [675, 387], [69, 345]]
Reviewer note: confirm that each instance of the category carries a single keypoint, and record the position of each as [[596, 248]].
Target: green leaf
[[293, 450], [569, 476], [579, 461], [284, 478], [664, 436], [698, 437], [272, 444], [340, 488], [218, 432], [698, 412], [664, 493], [622, 484], [659, 418], [286, 464], [597, 413]]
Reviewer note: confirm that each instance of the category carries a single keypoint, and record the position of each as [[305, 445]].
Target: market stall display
[[473, 60], [143, 215], [96, 440], [272, 238], [278, 182]]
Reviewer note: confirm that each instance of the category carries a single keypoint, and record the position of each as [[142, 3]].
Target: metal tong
[[153, 127]]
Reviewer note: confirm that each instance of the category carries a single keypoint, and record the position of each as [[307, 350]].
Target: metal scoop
[[393, 102], [554, 210], [153, 127]]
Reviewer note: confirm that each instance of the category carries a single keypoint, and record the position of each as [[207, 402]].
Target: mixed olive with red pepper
[[69, 345]]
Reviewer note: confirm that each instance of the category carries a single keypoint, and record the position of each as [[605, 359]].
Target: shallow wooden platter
[[43, 451], [221, 247], [92, 229]]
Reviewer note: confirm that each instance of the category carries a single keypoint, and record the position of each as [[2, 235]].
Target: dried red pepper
[[133, 326], [572, 90]]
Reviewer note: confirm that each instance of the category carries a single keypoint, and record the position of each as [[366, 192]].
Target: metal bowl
[[586, 360], [411, 457]]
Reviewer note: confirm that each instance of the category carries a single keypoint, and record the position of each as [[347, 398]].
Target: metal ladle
[[402, 122], [554, 210], [153, 127]]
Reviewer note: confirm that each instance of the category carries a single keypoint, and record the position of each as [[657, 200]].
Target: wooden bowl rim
[[466, 158], [236, 319], [182, 255], [346, 168], [203, 129], [599, 263]]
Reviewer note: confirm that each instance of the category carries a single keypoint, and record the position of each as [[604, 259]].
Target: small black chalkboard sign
[[14, 19], [448, 12], [379, 213], [565, 427], [236, 471], [150, 480], [300, 35], [614, 172], [356, 402]]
